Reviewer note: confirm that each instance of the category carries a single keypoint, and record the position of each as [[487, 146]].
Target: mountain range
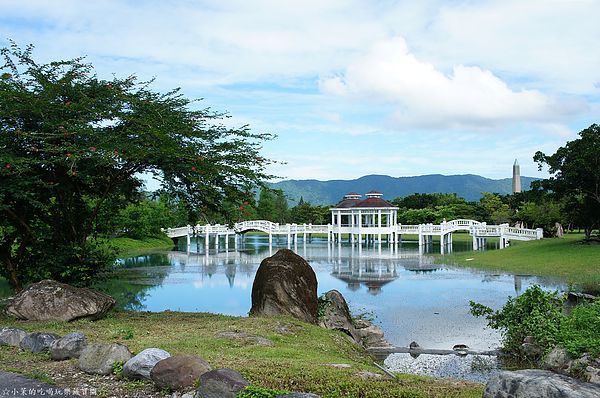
[[468, 186]]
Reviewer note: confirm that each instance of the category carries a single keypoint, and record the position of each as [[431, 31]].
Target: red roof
[[347, 203], [373, 202]]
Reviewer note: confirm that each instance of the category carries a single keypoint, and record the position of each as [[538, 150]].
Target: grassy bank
[[566, 258], [131, 247], [300, 359]]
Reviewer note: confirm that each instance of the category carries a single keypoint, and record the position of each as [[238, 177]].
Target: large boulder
[[221, 383], [140, 366], [98, 358], [68, 347], [179, 371], [38, 342], [53, 301], [12, 336], [334, 314], [535, 383], [285, 284]]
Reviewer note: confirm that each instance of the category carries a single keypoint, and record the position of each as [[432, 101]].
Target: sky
[[351, 87]]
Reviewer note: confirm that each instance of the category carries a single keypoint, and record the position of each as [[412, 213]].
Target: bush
[[579, 332], [536, 313]]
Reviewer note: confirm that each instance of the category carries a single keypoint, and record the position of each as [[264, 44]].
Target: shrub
[[253, 391], [536, 313], [579, 332]]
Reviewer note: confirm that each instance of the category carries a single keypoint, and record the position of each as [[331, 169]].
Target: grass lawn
[[566, 257], [131, 247], [300, 359]]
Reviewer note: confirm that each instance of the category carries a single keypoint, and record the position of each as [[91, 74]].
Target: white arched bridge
[[360, 234]]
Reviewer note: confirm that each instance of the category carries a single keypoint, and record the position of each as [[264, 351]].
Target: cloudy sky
[[352, 87]]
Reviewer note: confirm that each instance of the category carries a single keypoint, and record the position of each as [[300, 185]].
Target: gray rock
[[67, 347], [557, 360], [362, 323], [140, 366], [245, 338], [299, 395], [98, 358], [535, 383], [12, 336], [372, 336], [335, 315], [592, 374], [285, 284], [366, 375], [221, 383], [53, 301], [38, 342], [179, 371], [26, 387]]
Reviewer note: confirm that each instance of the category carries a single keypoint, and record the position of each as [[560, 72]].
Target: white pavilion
[[364, 220]]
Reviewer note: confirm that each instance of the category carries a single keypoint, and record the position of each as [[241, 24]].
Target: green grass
[[299, 361], [130, 247], [567, 258]]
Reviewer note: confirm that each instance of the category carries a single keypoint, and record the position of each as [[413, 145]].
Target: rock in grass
[[140, 366], [38, 342], [68, 347], [334, 314], [53, 301], [12, 336], [221, 383], [285, 284], [535, 383], [179, 371], [99, 358]]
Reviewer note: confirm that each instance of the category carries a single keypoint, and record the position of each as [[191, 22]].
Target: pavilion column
[[379, 226], [359, 227]]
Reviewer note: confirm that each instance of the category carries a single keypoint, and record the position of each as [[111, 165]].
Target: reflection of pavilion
[[371, 272]]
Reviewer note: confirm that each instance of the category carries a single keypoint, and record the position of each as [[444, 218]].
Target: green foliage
[[305, 213], [579, 331], [253, 391], [72, 148], [575, 175], [41, 376], [117, 369], [539, 313], [536, 313], [272, 206]]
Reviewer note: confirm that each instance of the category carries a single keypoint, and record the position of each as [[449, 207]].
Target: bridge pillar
[[206, 238], [226, 241], [270, 239]]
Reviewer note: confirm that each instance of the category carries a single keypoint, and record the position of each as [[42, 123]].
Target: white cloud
[[424, 96]]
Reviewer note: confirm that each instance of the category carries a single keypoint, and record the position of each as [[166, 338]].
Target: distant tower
[[516, 182]]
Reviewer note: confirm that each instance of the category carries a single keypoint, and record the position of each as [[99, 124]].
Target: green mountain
[[468, 186]]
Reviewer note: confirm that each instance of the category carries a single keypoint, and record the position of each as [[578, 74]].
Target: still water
[[406, 292]]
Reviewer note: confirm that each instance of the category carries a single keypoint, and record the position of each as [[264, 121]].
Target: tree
[[492, 209], [272, 205], [575, 174], [72, 147]]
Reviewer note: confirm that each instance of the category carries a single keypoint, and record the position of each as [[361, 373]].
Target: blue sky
[[352, 87]]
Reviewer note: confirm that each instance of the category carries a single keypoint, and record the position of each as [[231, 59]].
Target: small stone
[[366, 375], [99, 358], [414, 345], [38, 342], [339, 365], [140, 366], [179, 371], [70, 346], [221, 383], [592, 374], [12, 336]]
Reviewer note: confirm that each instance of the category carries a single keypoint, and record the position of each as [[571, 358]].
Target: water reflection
[[408, 294]]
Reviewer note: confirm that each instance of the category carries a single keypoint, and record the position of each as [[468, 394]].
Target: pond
[[406, 292]]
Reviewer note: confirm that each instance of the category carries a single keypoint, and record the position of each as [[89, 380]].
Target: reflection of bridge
[[425, 232]]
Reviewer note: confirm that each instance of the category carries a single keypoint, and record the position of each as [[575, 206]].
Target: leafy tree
[[492, 209], [305, 213], [575, 174], [72, 147], [272, 205]]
